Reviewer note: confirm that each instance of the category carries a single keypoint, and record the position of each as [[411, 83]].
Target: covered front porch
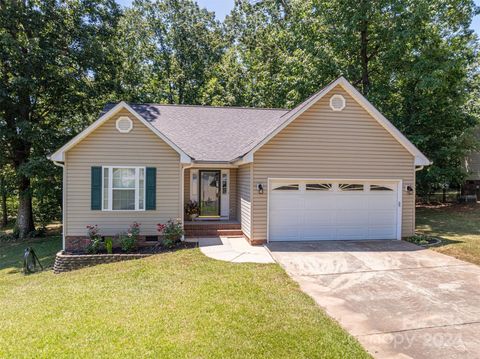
[[215, 192], [222, 194]]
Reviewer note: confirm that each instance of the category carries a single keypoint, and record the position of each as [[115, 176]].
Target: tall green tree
[[169, 48], [276, 57], [55, 58], [415, 60]]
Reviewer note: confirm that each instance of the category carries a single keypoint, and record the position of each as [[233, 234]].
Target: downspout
[[419, 168], [63, 200]]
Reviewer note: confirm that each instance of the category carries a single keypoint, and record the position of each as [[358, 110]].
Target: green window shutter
[[96, 194], [151, 189]]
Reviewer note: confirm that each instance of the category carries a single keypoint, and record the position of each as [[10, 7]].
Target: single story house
[[471, 187], [332, 168]]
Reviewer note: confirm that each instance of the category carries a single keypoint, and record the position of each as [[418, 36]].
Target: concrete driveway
[[399, 300]]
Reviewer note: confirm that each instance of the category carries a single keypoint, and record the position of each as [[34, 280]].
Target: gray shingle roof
[[208, 133]]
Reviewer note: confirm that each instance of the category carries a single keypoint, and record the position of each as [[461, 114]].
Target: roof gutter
[[213, 164]]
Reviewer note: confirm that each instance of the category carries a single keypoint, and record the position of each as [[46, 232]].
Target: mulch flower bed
[[424, 240], [151, 249]]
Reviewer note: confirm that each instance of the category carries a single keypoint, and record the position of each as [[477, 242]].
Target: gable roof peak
[[420, 158], [59, 155]]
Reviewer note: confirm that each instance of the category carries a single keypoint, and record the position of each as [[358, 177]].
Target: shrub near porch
[[172, 305]]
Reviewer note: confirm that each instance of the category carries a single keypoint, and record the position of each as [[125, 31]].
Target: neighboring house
[[333, 168], [471, 187]]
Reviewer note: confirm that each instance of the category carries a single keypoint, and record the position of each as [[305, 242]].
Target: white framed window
[[288, 187], [319, 186], [123, 188], [350, 187]]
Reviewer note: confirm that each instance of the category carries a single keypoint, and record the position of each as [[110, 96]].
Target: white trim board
[[420, 158], [59, 155]]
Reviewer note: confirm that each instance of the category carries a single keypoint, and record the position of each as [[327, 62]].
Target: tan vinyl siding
[[472, 162], [473, 166], [186, 186], [322, 143], [105, 147], [244, 195]]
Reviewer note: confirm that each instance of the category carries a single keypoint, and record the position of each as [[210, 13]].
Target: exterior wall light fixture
[[260, 188]]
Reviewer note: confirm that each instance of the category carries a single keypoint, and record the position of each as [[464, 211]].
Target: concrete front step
[[212, 232], [206, 225], [212, 229]]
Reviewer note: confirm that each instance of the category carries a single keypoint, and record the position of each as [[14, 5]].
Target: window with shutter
[[96, 189], [123, 188], [151, 189]]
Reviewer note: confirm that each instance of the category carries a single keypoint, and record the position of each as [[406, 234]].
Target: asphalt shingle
[[209, 133]]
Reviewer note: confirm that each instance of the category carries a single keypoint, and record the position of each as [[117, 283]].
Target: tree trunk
[[24, 223], [3, 191], [364, 56], [444, 195]]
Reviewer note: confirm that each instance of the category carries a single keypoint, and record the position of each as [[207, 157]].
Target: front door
[[209, 193]]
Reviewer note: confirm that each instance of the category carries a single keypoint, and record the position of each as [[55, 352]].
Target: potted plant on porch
[[192, 209]]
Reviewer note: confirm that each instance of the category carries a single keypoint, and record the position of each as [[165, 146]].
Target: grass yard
[[173, 305], [457, 225]]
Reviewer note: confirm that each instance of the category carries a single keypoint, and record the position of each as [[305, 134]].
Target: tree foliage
[[169, 48], [54, 63], [60, 61], [417, 61]]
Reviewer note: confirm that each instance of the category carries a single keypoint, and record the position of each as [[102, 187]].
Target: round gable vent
[[337, 102], [124, 124]]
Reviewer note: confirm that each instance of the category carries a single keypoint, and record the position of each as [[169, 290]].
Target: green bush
[[419, 239], [4, 237], [127, 242], [172, 233], [109, 245], [95, 239], [94, 246]]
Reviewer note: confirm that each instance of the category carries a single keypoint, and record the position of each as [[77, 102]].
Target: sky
[[223, 7]]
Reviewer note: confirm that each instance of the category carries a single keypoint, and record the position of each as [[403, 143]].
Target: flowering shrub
[[134, 230], [93, 231], [128, 241], [172, 232], [95, 239]]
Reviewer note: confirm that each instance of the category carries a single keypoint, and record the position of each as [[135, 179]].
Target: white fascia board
[[59, 155], [420, 158]]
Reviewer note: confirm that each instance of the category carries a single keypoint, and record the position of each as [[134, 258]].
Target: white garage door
[[333, 210]]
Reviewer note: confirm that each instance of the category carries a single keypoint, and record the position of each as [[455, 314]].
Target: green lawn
[[172, 305], [457, 225]]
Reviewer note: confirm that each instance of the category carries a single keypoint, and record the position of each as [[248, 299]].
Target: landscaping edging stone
[[65, 262]]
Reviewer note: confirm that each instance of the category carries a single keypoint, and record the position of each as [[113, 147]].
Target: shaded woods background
[[60, 61]]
